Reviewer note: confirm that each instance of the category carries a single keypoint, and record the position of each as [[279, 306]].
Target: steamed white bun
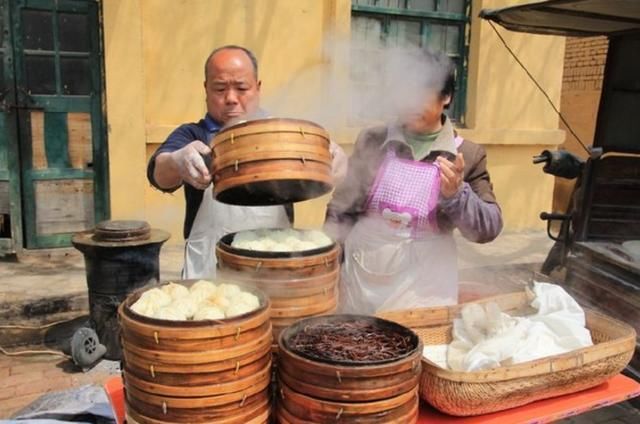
[[143, 307], [176, 291], [170, 313], [219, 301], [236, 309], [281, 240], [318, 238], [202, 290], [209, 312], [186, 306], [156, 298], [246, 298], [228, 290]]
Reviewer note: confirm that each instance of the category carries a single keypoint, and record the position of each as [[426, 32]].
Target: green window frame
[[437, 24]]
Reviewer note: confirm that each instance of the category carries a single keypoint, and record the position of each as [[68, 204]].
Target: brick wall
[[584, 61]]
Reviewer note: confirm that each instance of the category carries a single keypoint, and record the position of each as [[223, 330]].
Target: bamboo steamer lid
[[270, 162]]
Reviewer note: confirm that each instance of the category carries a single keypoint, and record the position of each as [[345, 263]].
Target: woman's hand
[[451, 175]]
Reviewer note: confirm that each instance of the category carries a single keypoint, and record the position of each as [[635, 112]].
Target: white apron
[[213, 221], [395, 257]]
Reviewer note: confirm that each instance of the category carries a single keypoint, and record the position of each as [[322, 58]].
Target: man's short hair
[[248, 52]]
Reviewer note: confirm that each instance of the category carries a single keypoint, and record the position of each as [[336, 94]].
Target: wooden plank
[[39, 158], [80, 146], [7, 245], [5, 206], [56, 140], [59, 174], [63, 206], [4, 167]]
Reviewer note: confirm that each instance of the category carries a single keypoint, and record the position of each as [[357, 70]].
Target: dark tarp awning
[[570, 17]]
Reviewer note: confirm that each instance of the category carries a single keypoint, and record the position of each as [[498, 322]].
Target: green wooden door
[[62, 145], [10, 201]]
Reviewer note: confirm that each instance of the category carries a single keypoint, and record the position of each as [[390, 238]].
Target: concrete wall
[[154, 74]]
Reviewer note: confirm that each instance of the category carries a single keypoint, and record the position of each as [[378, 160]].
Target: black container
[[120, 257]]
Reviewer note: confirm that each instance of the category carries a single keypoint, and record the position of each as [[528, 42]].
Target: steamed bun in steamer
[[143, 307], [209, 312], [176, 291], [203, 301], [186, 306], [219, 300], [280, 240], [171, 313], [246, 298], [150, 301], [228, 290], [202, 290], [236, 309], [318, 238]]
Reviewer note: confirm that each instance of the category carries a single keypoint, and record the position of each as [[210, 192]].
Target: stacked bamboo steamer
[[197, 371], [272, 161], [298, 286], [312, 390], [269, 162]]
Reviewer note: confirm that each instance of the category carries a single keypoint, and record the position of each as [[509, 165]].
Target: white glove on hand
[[191, 165]]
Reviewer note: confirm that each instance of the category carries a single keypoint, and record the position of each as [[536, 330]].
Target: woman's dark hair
[[449, 87], [448, 71]]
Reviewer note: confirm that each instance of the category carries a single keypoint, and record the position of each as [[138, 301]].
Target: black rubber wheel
[[86, 348]]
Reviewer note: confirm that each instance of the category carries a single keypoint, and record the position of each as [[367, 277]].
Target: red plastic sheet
[[617, 389]]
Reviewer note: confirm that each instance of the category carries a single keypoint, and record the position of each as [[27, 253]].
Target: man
[[409, 184], [232, 90]]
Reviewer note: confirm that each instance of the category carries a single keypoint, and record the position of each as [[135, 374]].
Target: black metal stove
[[120, 257]]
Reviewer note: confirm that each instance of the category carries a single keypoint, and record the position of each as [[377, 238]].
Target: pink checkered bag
[[405, 194]]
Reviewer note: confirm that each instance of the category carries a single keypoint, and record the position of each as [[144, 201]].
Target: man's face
[[427, 117], [231, 86]]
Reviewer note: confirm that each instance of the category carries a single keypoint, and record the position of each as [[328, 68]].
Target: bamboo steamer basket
[[299, 284], [312, 390], [481, 392], [348, 381], [271, 161], [296, 408], [197, 371]]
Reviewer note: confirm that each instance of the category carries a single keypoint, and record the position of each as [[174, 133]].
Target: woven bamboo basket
[[481, 392]]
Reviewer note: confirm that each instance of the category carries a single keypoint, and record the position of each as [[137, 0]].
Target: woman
[[408, 185]]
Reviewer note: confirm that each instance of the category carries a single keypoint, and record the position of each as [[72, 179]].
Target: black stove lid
[[569, 17], [122, 230]]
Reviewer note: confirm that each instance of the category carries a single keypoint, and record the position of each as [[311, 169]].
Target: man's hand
[[338, 163], [451, 175], [185, 165]]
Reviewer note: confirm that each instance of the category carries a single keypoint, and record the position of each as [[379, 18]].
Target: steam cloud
[[360, 83]]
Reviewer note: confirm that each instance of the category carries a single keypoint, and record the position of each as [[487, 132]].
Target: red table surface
[[615, 390]]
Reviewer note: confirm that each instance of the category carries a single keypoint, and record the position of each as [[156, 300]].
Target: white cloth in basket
[[487, 338]]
